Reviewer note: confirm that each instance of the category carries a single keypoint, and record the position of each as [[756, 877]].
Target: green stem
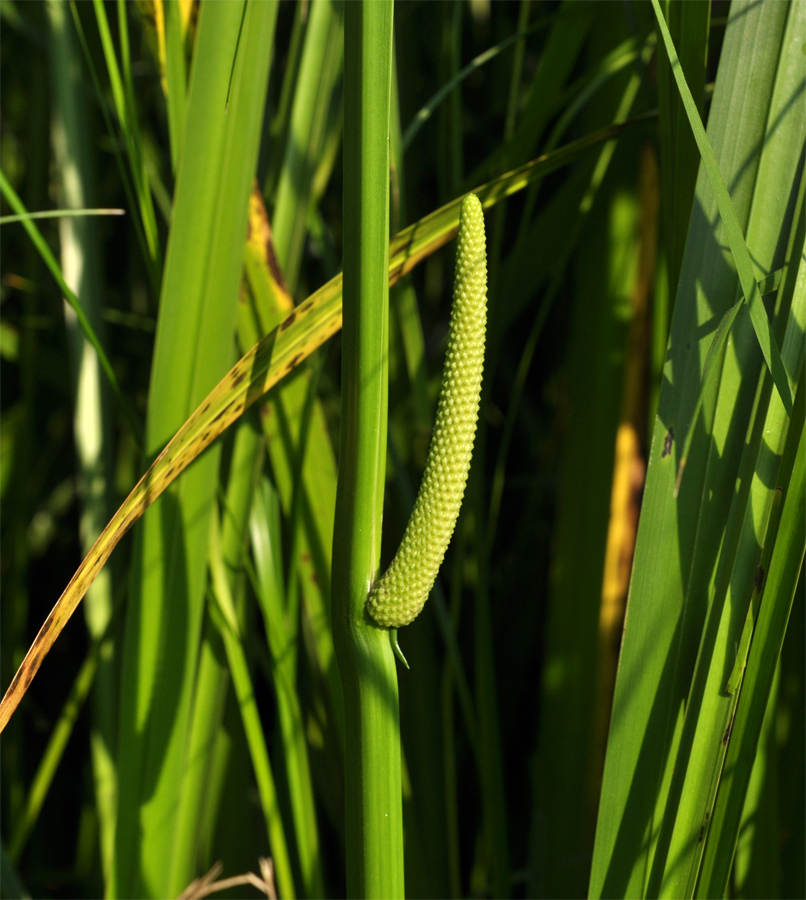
[[374, 829]]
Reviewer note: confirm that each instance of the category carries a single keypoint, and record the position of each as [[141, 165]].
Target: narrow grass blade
[[734, 518], [165, 32], [412, 244], [201, 802], [733, 231], [544, 98], [713, 367], [428, 108], [779, 594], [175, 77], [226, 619], [197, 313], [680, 159], [50, 261], [679, 539], [794, 285], [60, 734], [281, 621], [582, 92], [61, 214], [316, 90], [300, 451], [123, 97], [757, 860], [125, 176], [278, 132], [711, 371], [92, 425]]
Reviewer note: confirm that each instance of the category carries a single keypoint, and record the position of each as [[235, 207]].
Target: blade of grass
[[164, 30], [198, 803], [794, 283], [50, 261], [543, 99], [281, 621], [756, 863], [790, 709], [60, 734], [779, 593], [668, 595], [300, 449], [735, 514], [226, 619], [576, 98], [62, 214], [516, 74], [194, 345], [128, 187], [689, 27], [713, 368], [453, 116], [551, 264], [175, 78], [428, 108], [440, 226], [733, 231], [92, 433], [301, 455], [123, 98], [317, 82], [278, 130]]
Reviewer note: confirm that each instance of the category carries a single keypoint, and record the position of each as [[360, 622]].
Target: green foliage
[[640, 432]]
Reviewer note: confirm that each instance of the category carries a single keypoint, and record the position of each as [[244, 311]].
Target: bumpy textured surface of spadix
[[400, 594]]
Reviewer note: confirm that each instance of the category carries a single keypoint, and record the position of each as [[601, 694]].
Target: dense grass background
[[221, 645]]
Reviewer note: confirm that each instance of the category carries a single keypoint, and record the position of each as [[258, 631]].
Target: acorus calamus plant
[[270, 335]]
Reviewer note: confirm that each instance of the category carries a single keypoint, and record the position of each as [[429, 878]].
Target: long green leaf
[[735, 515], [92, 422], [689, 26], [123, 98], [50, 261], [679, 539], [779, 594], [61, 214], [226, 619], [427, 109], [733, 231], [281, 621], [319, 77], [197, 310]]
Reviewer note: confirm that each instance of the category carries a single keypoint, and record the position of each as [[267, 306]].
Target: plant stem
[[374, 830]]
